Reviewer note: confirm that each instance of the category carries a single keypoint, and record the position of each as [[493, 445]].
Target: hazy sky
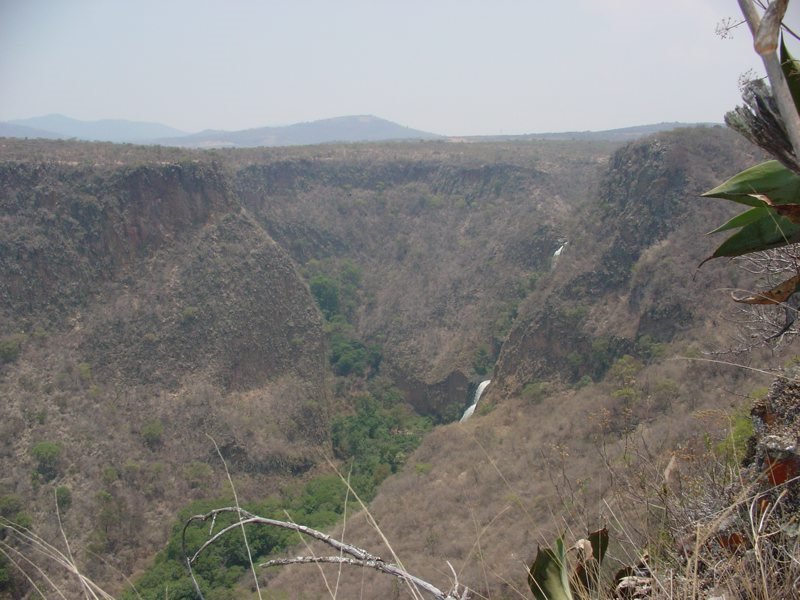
[[455, 67]]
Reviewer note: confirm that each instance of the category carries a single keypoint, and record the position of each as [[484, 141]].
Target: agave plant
[[771, 189], [549, 576]]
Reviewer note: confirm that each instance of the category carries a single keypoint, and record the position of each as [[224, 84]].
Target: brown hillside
[[152, 296], [633, 273], [150, 311], [544, 449], [450, 238]]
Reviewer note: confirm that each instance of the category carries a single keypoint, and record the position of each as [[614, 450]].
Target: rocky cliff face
[[629, 271], [149, 311], [65, 228], [449, 241]]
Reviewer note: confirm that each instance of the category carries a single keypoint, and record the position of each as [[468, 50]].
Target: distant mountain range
[[624, 134], [359, 128], [105, 130]]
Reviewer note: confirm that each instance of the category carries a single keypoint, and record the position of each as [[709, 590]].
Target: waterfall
[[557, 254], [471, 409]]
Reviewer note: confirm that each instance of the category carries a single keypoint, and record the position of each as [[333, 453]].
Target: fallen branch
[[360, 557]]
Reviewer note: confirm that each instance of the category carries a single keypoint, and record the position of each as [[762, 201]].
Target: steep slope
[[547, 443], [148, 311], [148, 308], [633, 274], [449, 239]]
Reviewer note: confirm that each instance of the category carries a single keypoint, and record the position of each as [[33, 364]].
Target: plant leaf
[[783, 469], [790, 211], [599, 541], [587, 571], [770, 179], [732, 542], [777, 295], [791, 71], [770, 231], [548, 577], [742, 219]]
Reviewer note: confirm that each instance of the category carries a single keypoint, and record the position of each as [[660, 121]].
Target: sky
[[453, 67]]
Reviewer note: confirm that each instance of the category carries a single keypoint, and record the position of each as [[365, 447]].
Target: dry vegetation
[[140, 348], [483, 495]]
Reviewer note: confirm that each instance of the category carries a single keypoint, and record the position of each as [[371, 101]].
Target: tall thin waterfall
[[557, 254], [471, 409]]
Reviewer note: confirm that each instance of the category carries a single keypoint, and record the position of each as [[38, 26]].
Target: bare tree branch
[[360, 557], [378, 565]]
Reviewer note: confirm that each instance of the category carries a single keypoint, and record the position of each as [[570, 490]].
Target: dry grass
[[709, 527], [484, 494], [704, 529], [47, 570]]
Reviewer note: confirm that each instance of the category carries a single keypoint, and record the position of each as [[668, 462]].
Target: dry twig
[[360, 557]]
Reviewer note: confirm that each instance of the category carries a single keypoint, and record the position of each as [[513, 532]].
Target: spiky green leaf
[[791, 71], [548, 577], [769, 231], [770, 179], [742, 219]]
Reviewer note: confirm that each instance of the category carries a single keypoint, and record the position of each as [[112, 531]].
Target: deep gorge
[[155, 295]]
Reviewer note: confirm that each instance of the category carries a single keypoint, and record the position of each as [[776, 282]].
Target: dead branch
[[360, 557]]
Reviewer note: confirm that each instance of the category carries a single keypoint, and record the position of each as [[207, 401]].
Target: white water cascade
[[471, 409], [558, 253]]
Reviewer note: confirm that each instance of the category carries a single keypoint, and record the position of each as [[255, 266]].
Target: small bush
[[733, 447], [152, 433], [197, 474], [85, 372], [536, 391], [625, 369], [326, 293], [627, 393], [482, 362], [11, 507], [347, 355], [10, 348], [664, 390], [110, 475], [423, 468], [189, 315], [63, 497], [47, 456], [649, 350]]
